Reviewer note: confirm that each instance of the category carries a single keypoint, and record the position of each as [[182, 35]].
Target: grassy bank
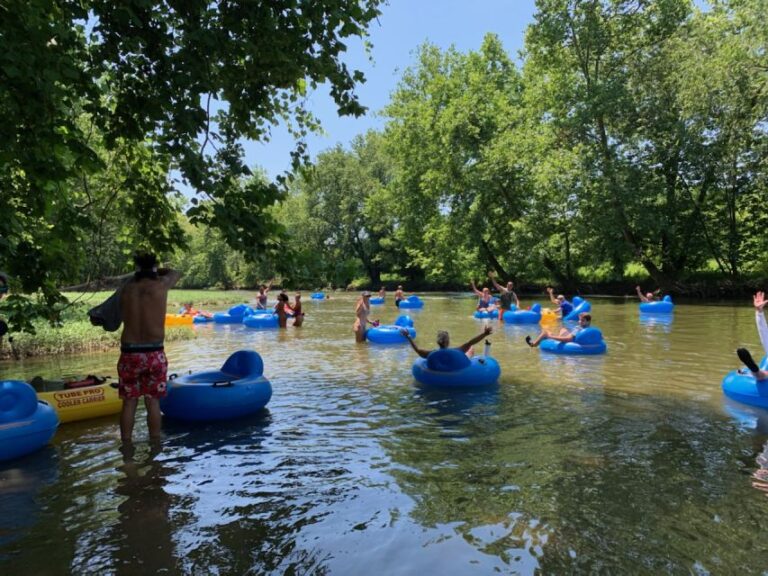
[[76, 334], [71, 338]]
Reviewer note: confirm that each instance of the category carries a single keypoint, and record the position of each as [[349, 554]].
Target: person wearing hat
[[362, 309], [444, 341]]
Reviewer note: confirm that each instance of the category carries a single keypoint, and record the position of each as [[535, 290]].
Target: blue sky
[[402, 27]]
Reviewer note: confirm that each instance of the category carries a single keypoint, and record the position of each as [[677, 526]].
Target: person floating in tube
[[444, 341], [485, 300], [649, 296], [563, 306], [565, 335], [759, 302]]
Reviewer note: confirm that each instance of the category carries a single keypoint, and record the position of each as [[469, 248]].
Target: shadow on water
[[142, 537], [461, 402]]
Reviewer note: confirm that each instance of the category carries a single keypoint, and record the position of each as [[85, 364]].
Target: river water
[[628, 463]]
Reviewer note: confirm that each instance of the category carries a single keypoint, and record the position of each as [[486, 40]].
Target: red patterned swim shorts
[[142, 374]]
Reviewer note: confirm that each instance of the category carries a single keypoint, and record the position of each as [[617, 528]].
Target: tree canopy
[[116, 95], [629, 138]]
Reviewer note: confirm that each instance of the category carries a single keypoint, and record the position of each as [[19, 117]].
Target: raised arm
[[268, 287], [640, 295], [552, 298], [169, 276], [496, 285], [475, 290], [468, 344], [419, 351]]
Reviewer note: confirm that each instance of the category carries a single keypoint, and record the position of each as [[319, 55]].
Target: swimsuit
[[506, 300], [481, 304], [566, 308], [142, 369]]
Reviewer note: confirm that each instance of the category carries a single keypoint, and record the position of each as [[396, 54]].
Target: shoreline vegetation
[[76, 335]]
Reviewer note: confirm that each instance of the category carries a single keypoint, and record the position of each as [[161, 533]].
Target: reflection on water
[[20, 484], [631, 462]]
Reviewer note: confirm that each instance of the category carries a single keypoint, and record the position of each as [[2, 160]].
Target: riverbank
[[77, 335]]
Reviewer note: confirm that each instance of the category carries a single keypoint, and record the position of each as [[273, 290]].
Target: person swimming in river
[[485, 300], [564, 335], [298, 315], [444, 341], [759, 302], [362, 310], [281, 309], [261, 298], [399, 296]]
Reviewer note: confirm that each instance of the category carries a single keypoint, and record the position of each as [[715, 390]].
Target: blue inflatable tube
[[486, 314], [26, 424], [234, 315], [745, 389], [587, 342], [238, 389], [532, 316], [579, 306], [318, 296], [412, 302], [450, 368], [664, 307], [389, 334], [377, 301], [261, 321], [201, 319]]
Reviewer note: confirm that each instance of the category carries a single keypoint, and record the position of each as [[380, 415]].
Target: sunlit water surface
[[632, 462]]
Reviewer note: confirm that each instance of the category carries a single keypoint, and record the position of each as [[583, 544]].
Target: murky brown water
[[632, 462]]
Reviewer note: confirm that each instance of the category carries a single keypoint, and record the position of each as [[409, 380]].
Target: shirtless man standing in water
[[362, 309], [142, 367]]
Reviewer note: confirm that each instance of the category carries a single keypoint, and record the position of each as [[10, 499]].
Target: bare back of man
[[142, 367]]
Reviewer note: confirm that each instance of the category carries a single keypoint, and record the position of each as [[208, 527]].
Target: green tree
[[343, 191], [184, 82], [457, 194]]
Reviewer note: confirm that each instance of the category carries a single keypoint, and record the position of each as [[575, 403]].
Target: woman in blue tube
[[485, 300], [759, 302]]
